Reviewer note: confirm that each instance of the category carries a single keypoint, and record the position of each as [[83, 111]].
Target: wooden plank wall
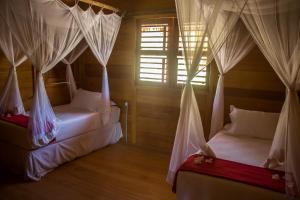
[[253, 84], [24, 72], [121, 77], [58, 94], [154, 111]]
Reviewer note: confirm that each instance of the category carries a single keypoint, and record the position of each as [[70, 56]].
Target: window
[[153, 68], [200, 78], [160, 54], [153, 52]]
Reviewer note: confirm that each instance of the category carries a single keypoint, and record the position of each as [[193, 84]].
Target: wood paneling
[[24, 73], [154, 110], [58, 94], [253, 85], [121, 74]]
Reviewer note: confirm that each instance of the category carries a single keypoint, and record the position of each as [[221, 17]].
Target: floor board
[[118, 172]]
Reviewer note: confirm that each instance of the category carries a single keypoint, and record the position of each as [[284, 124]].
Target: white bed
[[243, 149], [72, 121], [80, 132], [247, 150]]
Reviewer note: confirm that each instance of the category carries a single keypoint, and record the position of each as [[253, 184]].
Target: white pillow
[[252, 123], [87, 100]]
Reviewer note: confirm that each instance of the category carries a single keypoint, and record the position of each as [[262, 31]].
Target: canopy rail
[[57, 83], [102, 5]]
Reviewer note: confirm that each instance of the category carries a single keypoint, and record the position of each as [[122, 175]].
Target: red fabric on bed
[[252, 175], [20, 120]]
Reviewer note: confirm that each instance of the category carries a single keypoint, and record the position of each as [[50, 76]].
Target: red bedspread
[[252, 175], [20, 120]]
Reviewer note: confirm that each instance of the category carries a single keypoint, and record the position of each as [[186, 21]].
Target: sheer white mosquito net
[[10, 99], [100, 32], [199, 21], [237, 45], [274, 26], [69, 60], [47, 31]]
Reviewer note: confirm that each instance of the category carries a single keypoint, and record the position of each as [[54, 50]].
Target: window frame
[[172, 53], [140, 22]]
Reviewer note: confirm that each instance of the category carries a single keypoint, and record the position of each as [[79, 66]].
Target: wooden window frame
[[172, 53], [139, 51]]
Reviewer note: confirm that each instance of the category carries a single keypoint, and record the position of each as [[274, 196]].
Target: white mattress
[[34, 164], [247, 150], [74, 121], [71, 122]]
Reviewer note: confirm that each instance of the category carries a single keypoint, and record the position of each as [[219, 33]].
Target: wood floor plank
[[118, 172]]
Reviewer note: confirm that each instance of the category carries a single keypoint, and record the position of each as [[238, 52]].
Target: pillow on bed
[[252, 123], [87, 100]]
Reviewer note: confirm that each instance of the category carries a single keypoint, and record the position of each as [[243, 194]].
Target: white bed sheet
[[247, 150], [34, 164], [71, 122], [74, 121]]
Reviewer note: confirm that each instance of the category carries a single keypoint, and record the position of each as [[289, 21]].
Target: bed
[[251, 151], [79, 133], [240, 148]]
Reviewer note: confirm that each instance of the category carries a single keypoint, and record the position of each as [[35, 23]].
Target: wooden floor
[[118, 172]]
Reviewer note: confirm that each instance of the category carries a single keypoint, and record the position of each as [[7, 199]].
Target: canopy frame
[[101, 5]]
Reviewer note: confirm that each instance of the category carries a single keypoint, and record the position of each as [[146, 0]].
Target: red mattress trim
[[19, 120], [248, 174]]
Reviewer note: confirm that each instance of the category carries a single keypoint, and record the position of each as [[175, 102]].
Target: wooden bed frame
[[191, 186]]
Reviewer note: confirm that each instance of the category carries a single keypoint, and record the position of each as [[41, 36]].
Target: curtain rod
[[171, 12], [102, 5]]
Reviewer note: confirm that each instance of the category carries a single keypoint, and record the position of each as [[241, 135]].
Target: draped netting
[[275, 27], [69, 60], [100, 32], [10, 99], [199, 21], [46, 32], [237, 45]]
